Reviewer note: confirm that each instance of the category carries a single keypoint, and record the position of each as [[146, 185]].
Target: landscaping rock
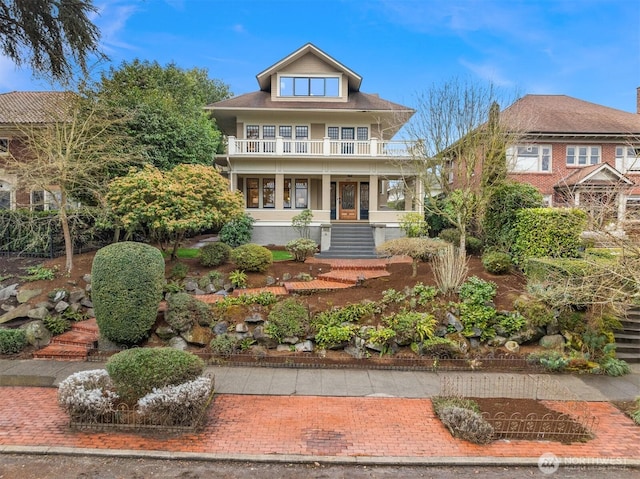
[[527, 335], [291, 340], [61, 306], [38, 313], [553, 327], [86, 303], [441, 331], [497, 341], [462, 343], [512, 346], [86, 278], [270, 281], [37, 334], [8, 292], [242, 328], [90, 313], [44, 304], [282, 348], [165, 332], [552, 341], [474, 343], [305, 347], [220, 328], [263, 339], [455, 322], [198, 335], [20, 312], [178, 343], [76, 296], [25, 295], [58, 295], [190, 286], [354, 352], [254, 318], [106, 345]]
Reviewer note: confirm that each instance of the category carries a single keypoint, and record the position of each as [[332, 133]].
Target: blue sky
[[589, 49]]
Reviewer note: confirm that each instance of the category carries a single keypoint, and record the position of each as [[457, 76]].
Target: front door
[[348, 201]]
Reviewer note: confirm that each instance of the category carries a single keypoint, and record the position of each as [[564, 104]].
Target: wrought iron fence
[[569, 419], [126, 417]]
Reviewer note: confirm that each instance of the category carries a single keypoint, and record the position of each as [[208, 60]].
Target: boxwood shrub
[[252, 257], [214, 254], [496, 262], [185, 310], [136, 372], [127, 283]]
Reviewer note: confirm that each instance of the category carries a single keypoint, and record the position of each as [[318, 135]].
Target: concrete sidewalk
[[354, 382]]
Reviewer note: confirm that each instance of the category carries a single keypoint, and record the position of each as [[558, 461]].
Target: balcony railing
[[324, 147]]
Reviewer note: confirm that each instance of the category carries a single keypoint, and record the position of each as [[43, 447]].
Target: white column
[[373, 193], [231, 140], [326, 192], [326, 146], [279, 199]]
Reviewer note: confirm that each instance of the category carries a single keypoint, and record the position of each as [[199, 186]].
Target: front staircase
[[351, 241], [628, 338], [74, 345]]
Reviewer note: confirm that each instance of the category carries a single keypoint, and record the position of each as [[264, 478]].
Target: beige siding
[[309, 64], [318, 131]]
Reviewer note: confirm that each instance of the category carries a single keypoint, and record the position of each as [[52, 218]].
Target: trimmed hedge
[[215, 254], [497, 262], [252, 257], [127, 283], [552, 232], [136, 372], [184, 310], [237, 231]]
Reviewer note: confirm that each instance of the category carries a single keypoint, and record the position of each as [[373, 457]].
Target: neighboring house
[[578, 154], [310, 139], [18, 112]]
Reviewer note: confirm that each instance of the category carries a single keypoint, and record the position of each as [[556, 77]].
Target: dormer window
[[309, 86]]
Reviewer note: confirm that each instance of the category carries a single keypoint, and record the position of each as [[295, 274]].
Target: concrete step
[[627, 335]]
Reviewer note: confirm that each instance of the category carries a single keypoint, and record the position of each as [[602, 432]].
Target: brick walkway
[[242, 425]]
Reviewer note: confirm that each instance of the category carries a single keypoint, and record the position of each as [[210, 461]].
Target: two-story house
[[578, 154], [310, 139], [19, 112]]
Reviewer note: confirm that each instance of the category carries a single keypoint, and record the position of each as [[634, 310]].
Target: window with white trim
[[628, 158], [310, 86], [5, 195], [530, 158], [4, 146], [580, 155], [633, 208]]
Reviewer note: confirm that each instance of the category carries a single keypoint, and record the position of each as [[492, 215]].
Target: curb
[[583, 462]]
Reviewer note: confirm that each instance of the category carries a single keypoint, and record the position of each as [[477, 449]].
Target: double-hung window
[[285, 133], [269, 137], [530, 158], [302, 133], [578, 155], [253, 193], [268, 192], [628, 159], [302, 193]]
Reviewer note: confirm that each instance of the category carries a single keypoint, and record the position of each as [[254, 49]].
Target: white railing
[[324, 147]]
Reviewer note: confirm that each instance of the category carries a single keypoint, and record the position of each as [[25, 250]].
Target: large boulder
[[37, 333]]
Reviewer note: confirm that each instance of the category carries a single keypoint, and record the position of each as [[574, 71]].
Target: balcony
[[315, 148]]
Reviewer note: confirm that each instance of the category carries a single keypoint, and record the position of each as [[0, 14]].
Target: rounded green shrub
[[287, 319], [301, 248], [136, 372], [496, 262], [252, 257], [12, 340], [127, 282], [238, 231], [215, 254], [185, 310]]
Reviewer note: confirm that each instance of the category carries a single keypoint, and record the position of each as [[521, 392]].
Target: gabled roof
[[594, 175], [30, 106], [565, 115], [264, 77]]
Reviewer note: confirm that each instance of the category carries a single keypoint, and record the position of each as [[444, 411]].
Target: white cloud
[[239, 28], [488, 72], [112, 20]]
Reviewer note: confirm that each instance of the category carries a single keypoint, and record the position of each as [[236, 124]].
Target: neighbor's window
[[530, 158], [301, 193], [4, 146], [5, 195], [287, 193], [268, 192], [628, 158], [37, 200], [253, 192], [583, 155], [310, 86]]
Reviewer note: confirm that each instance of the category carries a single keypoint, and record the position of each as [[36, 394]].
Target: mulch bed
[[529, 419]]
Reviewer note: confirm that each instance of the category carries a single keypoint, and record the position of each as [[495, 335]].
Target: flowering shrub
[[87, 394], [177, 405]]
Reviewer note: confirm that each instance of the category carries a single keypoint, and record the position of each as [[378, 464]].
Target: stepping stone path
[[73, 345]]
